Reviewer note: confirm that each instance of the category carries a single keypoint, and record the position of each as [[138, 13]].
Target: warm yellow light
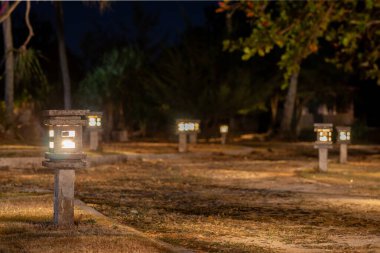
[[196, 126], [223, 129], [92, 121], [67, 143], [181, 126], [70, 133], [51, 133], [51, 144], [189, 127], [98, 121]]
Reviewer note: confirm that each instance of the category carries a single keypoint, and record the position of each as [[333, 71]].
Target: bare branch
[[28, 24], [9, 11]]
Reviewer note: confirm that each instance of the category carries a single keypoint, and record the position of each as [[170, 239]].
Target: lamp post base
[[323, 156], [64, 197], [182, 143], [94, 140], [343, 153]]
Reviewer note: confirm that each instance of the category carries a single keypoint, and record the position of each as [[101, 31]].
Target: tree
[[9, 68], [62, 56], [5, 18], [107, 85], [298, 27], [293, 26]]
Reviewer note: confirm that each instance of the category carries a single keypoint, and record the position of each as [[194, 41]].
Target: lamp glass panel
[[181, 126], [70, 133], [223, 129], [92, 121], [68, 143], [51, 133], [51, 144]]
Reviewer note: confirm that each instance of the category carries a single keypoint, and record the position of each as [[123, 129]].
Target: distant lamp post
[[182, 128], [223, 131], [64, 156], [323, 143], [343, 139], [194, 129], [95, 126]]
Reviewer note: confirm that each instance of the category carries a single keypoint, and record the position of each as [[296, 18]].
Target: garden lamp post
[[194, 129], [343, 139], [323, 143], [223, 132], [64, 156], [95, 127]]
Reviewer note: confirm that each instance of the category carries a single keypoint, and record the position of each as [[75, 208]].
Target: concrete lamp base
[[343, 153], [182, 143], [323, 157], [94, 140], [64, 197]]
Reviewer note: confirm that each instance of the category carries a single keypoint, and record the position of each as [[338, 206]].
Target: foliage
[[106, 83], [297, 27], [355, 35], [196, 79], [30, 77]]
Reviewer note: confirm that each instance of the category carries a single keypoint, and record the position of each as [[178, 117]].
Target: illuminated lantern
[[343, 139], [64, 156], [223, 131], [344, 134], [323, 143], [324, 133]]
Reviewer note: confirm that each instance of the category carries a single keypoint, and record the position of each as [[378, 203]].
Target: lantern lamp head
[[94, 119], [344, 134], [223, 129], [324, 133], [188, 125], [65, 133]]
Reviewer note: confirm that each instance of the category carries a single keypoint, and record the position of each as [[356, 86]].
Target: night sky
[[80, 18]]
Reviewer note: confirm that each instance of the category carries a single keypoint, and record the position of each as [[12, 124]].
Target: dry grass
[[270, 200]]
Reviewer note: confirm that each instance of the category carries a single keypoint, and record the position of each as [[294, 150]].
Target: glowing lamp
[[65, 134], [324, 133], [94, 119], [344, 134], [223, 129], [188, 126]]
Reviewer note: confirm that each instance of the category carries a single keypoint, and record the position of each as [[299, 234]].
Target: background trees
[[294, 56], [298, 29]]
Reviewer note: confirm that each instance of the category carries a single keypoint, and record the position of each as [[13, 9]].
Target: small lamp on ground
[[223, 132], [343, 139], [94, 125], [323, 143], [64, 156]]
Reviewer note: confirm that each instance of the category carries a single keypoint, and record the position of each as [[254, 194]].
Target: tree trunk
[[62, 56], [9, 68], [286, 122]]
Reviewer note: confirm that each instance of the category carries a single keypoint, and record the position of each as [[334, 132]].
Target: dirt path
[[244, 203]]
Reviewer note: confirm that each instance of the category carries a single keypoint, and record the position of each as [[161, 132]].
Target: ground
[[267, 197]]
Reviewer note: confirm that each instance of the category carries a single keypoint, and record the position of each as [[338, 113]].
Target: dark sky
[[80, 18]]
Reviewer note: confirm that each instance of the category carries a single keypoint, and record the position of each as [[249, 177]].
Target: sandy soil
[[270, 199]]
